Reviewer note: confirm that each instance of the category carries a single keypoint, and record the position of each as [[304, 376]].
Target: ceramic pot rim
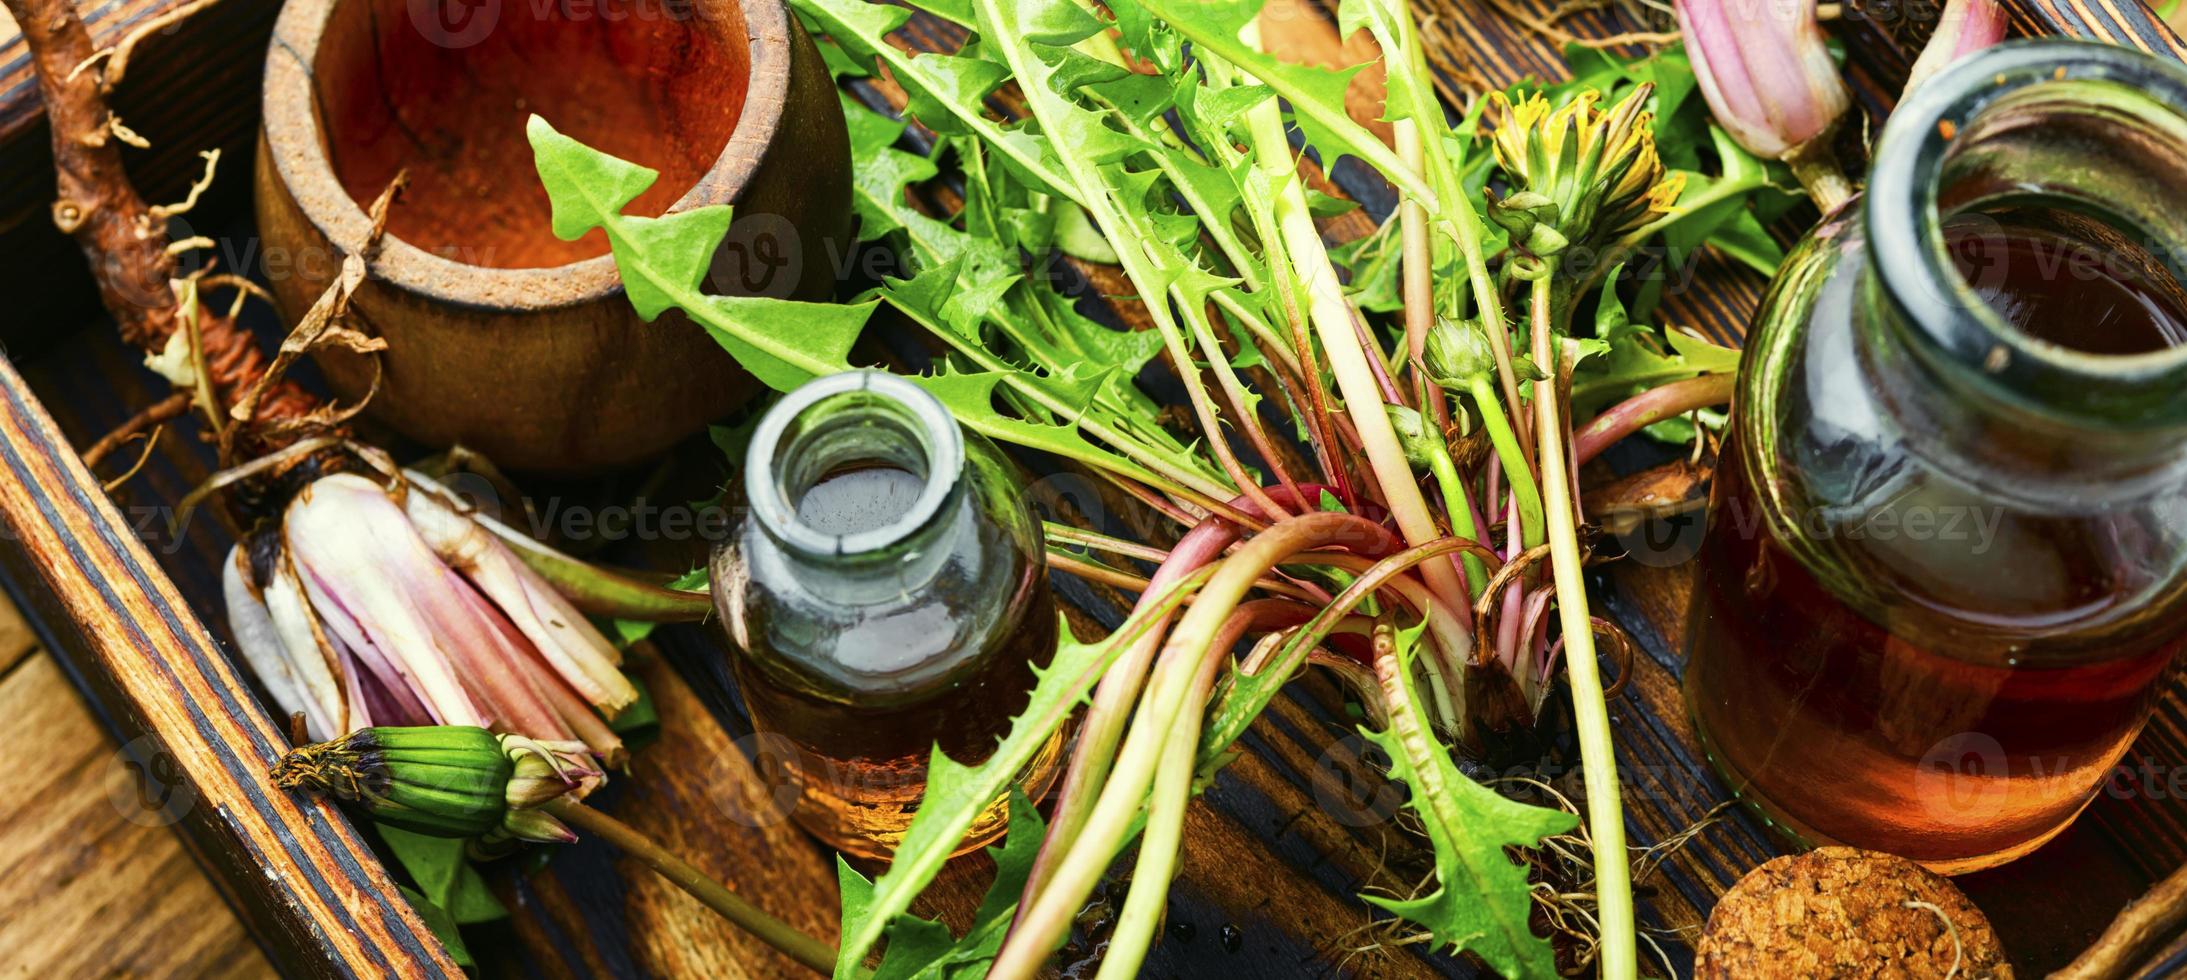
[[299, 157]]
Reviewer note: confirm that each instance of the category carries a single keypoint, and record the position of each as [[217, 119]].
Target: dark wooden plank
[[301, 873], [16, 640]]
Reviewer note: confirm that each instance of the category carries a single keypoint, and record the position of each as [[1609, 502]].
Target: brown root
[[96, 204], [165, 410]]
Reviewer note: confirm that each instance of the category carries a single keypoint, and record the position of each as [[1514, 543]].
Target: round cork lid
[[1845, 912]]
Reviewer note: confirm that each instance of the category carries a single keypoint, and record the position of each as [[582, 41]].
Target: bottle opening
[[2024, 223], [853, 464]]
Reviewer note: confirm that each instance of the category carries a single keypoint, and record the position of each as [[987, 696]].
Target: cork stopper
[[1845, 912]]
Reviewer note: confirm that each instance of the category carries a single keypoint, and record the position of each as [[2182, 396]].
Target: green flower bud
[[1457, 352], [545, 770], [1412, 434], [444, 780], [1521, 213], [1529, 268], [1546, 241]]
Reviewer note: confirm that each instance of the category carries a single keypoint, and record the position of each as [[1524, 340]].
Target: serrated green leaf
[[971, 397], [1481, 902], [1076, 236], [920, 949], [942, 84], [881, 174], [1635, 357], [663, 262], [1316, 94], [956, 793]]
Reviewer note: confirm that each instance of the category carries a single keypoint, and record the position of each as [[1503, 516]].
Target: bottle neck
[[2012, 196], [885, 529]]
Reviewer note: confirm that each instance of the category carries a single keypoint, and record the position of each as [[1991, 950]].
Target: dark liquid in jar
[[1959, 755], [858, 758]]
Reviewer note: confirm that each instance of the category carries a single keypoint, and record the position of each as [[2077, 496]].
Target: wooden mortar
[[500, 336]]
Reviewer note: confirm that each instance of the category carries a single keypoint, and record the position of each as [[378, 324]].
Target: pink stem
[[1103, 726], [1646, 409]]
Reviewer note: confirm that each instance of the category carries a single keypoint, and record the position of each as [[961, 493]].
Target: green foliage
[[922, 949], [1316, 94], [1146, 171], [956, 793], [664, 260], [450, 893], [441, 925], [786, 343], [1628, 357], [1481, 901]]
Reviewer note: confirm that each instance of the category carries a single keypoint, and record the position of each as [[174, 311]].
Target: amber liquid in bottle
[[1961, 746], [887, 596], [858, 757]]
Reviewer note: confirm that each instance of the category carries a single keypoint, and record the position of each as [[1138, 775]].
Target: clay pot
[[500, 336]]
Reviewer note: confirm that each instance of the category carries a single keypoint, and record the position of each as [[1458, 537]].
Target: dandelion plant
[[1427, 374]]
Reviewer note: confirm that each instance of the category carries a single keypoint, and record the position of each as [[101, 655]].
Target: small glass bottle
[[886, 593], [1946, 566]]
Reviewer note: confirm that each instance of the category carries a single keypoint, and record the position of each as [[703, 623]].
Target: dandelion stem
[[813, 953], [1590, 713]]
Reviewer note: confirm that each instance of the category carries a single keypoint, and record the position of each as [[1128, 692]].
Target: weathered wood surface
[[296, 869], [190, 87], [91, 881], [1278, 849]]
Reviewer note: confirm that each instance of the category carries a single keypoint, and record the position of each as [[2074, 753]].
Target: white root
[[260, 643], [346, 522], [577, 651]]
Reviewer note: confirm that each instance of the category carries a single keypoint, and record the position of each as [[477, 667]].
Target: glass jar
[[885, 594], [1946, 566]]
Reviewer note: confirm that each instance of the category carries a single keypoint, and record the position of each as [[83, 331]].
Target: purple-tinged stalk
[[556, 631], [1184, 749], [1966, 26], [1277, 666], [1164, 708], [1110, 709], [376, 607], [1112, 701], [1769, 78], [1334, 324], [1646, 409]]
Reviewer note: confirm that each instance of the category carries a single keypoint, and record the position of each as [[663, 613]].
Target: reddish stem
[[1646, 409], [1104, 723]]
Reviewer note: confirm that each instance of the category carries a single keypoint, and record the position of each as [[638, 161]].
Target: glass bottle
[[1946, 566], [885, 593]]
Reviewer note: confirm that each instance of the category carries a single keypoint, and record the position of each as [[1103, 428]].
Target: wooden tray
[[1269, 870]]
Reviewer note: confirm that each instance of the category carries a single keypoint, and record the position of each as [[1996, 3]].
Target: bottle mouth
[[2081, 127], [849, 421]]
